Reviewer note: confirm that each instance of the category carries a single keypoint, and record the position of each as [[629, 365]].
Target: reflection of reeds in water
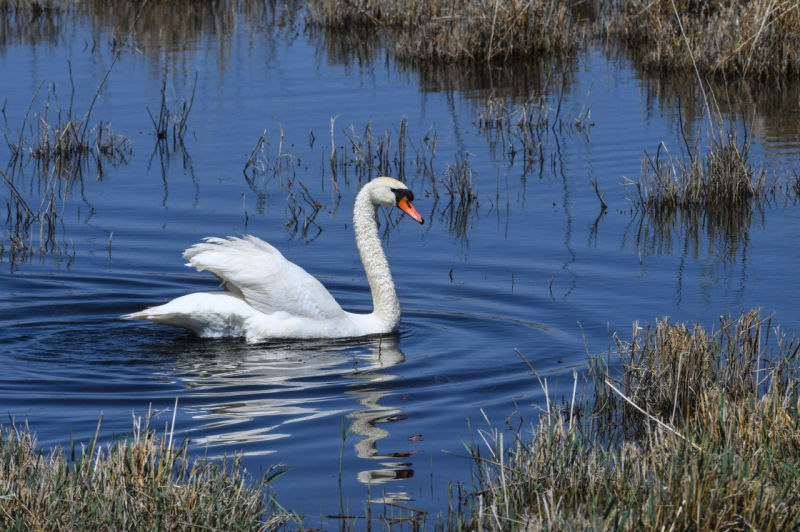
[[511, 131], [363, 156], [259, 170], [525, 130], [462, 201], [369, 156], [21, 221], [149, 26], [169, 124], [719, 192], [68, 148], [169, 129], [30, 22], [66, 145]]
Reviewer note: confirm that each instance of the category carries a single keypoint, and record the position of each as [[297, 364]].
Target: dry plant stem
[[649, 416]]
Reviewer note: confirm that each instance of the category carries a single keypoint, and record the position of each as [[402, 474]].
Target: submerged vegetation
[[696, 431], [142, 482]]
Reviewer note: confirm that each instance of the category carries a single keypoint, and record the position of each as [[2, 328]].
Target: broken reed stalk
[[174, 122]]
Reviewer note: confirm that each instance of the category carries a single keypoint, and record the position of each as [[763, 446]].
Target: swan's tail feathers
[[141, 315], [160, 316], [207, 314], [154, 315]]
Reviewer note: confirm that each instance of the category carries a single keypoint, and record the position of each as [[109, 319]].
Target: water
[[528, 266]]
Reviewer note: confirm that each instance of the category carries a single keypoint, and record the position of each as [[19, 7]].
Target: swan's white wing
[[264, 278]]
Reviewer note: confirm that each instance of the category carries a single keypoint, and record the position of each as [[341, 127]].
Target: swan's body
[[267, 296]]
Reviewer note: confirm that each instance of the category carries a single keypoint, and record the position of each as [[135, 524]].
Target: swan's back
[[262, 276]]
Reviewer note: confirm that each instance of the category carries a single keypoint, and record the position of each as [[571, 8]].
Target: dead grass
[[445, 31], [142, 482], [696, 431], [732, 38], [721, 179]]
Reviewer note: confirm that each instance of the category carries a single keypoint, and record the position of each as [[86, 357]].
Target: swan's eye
[[400, 193]]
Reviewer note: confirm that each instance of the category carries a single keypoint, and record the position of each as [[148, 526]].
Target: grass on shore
[[139, 483], [696, 431]]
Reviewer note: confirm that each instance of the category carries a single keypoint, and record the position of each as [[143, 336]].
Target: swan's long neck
[[386, 306]]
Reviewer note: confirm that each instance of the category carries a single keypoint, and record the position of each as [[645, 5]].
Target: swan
[[266, 296]]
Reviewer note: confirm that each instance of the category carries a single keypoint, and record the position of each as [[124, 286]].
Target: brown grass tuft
[[734, 38], [140, 483], [696, 431], [444, 31]]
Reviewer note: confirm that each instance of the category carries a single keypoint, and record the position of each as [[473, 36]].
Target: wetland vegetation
[[695, 431], [143, 481]]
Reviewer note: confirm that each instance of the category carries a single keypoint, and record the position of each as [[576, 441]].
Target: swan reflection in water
[[248, 395]]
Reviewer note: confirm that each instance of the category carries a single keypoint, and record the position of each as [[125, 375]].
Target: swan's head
[[390, 192]]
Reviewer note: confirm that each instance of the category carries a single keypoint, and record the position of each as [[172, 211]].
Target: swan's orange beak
[[409, 209]]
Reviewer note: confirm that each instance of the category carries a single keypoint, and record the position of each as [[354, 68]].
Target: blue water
[[535, 265]]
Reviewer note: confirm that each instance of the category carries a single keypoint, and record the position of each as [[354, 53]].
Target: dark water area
[[530, 263]]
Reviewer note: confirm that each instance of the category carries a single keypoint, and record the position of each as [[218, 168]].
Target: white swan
[[267, 296]]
